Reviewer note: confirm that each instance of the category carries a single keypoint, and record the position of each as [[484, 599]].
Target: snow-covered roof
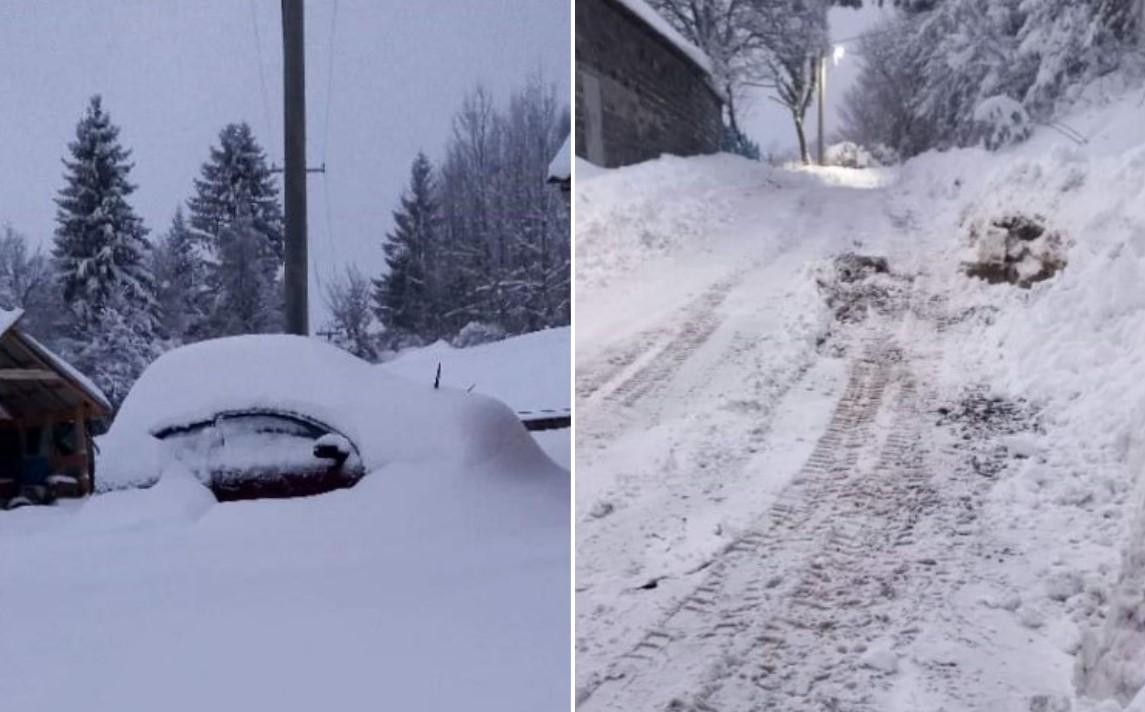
[[561, 167], [657, 22], [10, 317], [69, 370], [389, 418]]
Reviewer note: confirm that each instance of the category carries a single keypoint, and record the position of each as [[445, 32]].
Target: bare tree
[[27, 282], [724, 31], [351, 314], [794, 35]]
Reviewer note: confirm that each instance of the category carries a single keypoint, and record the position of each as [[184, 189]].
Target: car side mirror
[[332, 447]]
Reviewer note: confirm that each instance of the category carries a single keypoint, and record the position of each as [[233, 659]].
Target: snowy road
[[771, 511]]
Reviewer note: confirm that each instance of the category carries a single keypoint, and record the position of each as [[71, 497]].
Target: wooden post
[[294, 179]]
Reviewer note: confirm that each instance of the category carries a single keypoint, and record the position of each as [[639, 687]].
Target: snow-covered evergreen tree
[[927, 71], [403, 296], [249, 297], [101, 259], [100, 248], [179, 281], [236, 186]]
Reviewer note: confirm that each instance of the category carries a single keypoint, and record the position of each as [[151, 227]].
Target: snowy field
[[806, 486], [528, 373], [440, 581]]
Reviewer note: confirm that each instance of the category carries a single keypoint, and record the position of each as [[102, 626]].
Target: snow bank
[[389, 418], [436, 586], [1073, 344], [528, 372]]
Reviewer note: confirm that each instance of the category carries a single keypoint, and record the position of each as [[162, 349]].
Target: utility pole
[[294, 157], [822, 71]]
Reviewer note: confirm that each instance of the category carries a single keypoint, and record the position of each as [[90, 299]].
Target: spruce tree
[[236, 218], [179, 276], [404, 296], [102, 260], [100, 245]]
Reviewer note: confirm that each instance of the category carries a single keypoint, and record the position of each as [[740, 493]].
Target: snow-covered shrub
[[848, 154], [732, 140], [1002, 122], [926, 71], [1016, 249], [478, 332]]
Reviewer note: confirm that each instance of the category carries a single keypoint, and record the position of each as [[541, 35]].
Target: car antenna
[[437, 378]]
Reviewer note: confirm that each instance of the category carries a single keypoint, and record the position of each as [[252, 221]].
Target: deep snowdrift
[[440, 581], [389, 418]]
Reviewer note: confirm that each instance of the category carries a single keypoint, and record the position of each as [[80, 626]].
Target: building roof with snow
[[560, 169], [642, 90], [657, 22], [35, 381]]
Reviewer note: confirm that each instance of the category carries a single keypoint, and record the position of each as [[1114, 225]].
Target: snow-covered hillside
[[806, 480]]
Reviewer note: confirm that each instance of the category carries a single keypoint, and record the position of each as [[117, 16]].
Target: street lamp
[[837, 53]]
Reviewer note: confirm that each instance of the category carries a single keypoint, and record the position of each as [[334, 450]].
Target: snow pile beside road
[[628, 217], [1075, 345], [389, 418]]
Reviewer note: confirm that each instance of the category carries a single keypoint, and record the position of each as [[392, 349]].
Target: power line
[[331, 243], [261, 71], [329, 79]]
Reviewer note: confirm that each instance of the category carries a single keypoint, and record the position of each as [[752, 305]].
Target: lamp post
[[837, 54]]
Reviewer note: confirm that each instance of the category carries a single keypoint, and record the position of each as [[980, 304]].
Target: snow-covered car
[[252, 454], [279, 416]]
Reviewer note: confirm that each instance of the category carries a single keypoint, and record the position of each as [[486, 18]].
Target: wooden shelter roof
[[35, 382]]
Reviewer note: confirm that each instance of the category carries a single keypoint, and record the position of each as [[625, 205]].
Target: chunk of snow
[[880, 657]]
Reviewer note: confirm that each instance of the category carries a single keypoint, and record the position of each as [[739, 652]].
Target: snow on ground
[[948, 482], [529, 373], [440, 581]]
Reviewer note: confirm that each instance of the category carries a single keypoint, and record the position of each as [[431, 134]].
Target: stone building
[[641, 89]]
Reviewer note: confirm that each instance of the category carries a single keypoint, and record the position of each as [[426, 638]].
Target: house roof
[[657, 22], [34, 379], [561, 167]]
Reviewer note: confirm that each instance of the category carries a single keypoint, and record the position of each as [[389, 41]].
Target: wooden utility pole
[[822, 81], [294, 158]]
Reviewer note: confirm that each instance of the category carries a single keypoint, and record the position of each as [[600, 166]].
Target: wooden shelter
[[46, 407]]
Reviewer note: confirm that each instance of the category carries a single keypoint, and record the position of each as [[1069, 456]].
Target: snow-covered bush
[[1016, 249], [1002, 122], [848, 154], [478, 332], [926, 72]]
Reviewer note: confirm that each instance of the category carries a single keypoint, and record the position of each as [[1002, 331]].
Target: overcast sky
[[173, 72], [769, 124]]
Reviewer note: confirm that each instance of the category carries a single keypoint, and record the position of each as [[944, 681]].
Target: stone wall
[[637, 95]]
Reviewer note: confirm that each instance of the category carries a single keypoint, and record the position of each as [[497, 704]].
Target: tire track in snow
[[720, 609], [646, 362], [781, 614]]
